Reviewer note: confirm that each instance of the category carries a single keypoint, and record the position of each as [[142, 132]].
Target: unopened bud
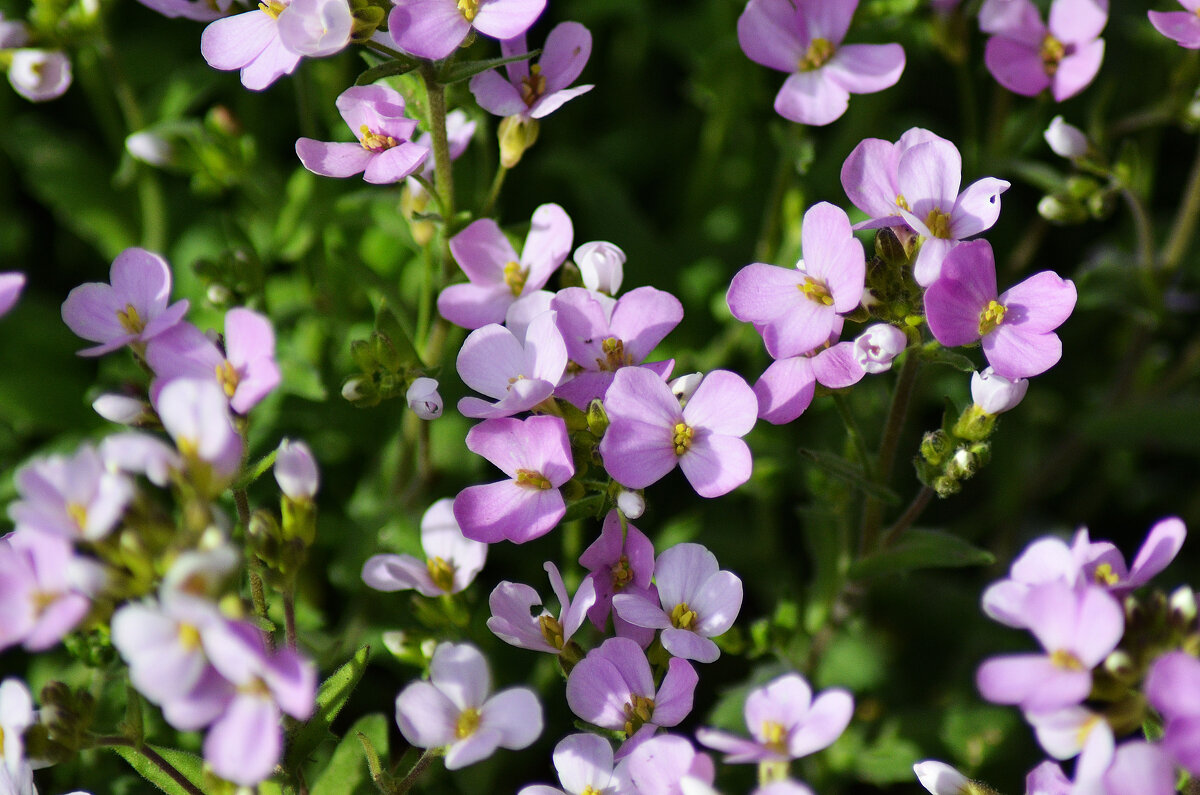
[[974, 424], [39, 75], [962, 465], [352, 390], [685, 386], [516, 134], [995, 394], [150, 148], [935, 446], [597, 418], [877, 346], [1061, 210], [122, 409], [423, 398], [1182, 604], [601, 266], [1066, 140], [1120, 666], [631, 503], [296, 470]]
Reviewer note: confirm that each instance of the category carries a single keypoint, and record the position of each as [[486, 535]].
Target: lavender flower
[[536, 90], [512, 620], [162, 645], [1103, 564], [45, 589], [196, 415], [39, 75], [453, 709], [141, 454], [16, 715], [73, 497], [423, 398], [452, 560], [617, 560], [1017, 327], [1173, 688], [995, 394], [698, 602], [1183, 27], [383, 153], [667, 765], [785, 721], [434, 28], [519, 377], [296, 470], [250, 42], [649, 433], [585, 767], [804, 39], [132, 310], [1027, 56], [11, 285]]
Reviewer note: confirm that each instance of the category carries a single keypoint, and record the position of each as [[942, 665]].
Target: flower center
[[1104, 575], [78, 514], [189, 637], [819, 52], [189, 448], [227, 377], [469, 9], [376, 142], [682, 617], [441, 572], [272, 8], [467, 723], [816, 291], [902, 202], [614, 355], [552, 631], [682, 438], [130, 320], [531, 480], [533, 86], [938, 223], [513, 380], [589, 791], [622, 573], [991, 317], [1061, 658], [1052, 52], [638, 710], [774, 736], [514, 277]]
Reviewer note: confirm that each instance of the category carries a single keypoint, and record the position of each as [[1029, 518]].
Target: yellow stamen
[[1104, 575], [614, 355], [514, 277], [188, 448], [130, 320], [586, 790], [938, 223], [622, 574], [682, 438], [376, 142], [1052, 52], [441, 572], [774, 736], [531, 480], [552, 631], [637, 711], [820, 51], [1061, 658], [902, 202], [515, 379], [468, 722], [816, 291], [469, 9], [227, 377], [991, 317], [682, 616], [78, 514], [189, 637], [533, 86], [272, 8]]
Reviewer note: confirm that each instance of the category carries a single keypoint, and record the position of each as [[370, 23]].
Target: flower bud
[[516, 134], [1066, 140], [423, 398], [597, 418], [122, 410], [296, 470], [352, 390], [685, 386], [40, 75], [1062, 210], [150, 148], [316, 28], [935, 446], [631, 503], [13, 33], [877, 346], [995, 394], [601, 265], [1182, 603]]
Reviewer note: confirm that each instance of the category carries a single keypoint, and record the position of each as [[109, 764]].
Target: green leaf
[[347, 768], [921, 549], [397, 66], [331, 697], [889, 760], [190, 765], [940, 355], [842, 469], [388, 324], [461, 71], [588, 507]]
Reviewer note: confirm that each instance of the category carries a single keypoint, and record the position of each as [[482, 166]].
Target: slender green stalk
[[289, 615], [441, 159], [855, 434], [910, 515], [154, 758], [1142, 227], [417, 771], [258, 593], [494, 191], [1185, 220]]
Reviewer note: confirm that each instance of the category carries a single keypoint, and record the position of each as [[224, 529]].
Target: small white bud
[[877, 346], [631, 503], [1066, 140], [601, 265], [316, 28], [996, 394], [685, 386], [40, 75], [1183, 603], [351, 390], [296, 470], [149, 148], [423, 398], [120, 409], [939, 778]]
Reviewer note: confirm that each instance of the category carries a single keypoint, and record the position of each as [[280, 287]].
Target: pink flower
[[805, 39], [649, 433], [536, 456], [39, 75], [45, 589], [250, 42], [453, 709], [434, 28], [796, 310], [512, 618], [452, 560], [1181, 26], [669, 765], [585, 767], [536, 90], [1027, 56], [11, 285], [196, 415], [617, 560], [132, 310], [383, 153], [1017, 328], [519, 377], [498, 277], [73, 497]]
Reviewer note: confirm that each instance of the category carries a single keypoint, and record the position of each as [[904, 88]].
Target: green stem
[[441, 159], [897, 413], [494, 191], [418, 769], [289, 615], [155, 759], [385, 50], [910, 515], [855, 434], [1142, 226], [258, 592], [1185, 221]]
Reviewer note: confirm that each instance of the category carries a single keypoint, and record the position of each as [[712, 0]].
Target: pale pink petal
[[811, 98], [723, 404], [785, 390], [428, 28], [769, 34], [1077, 20], [1077, 70], [395, 164], [977, 207], [1016, 66], [547, 245], [564, 55], [866, 68], [929, 175], [482, 251], [827, 20], [1015, 354], [515, 714], [506, 19], [496, 95], [1039, 304]]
